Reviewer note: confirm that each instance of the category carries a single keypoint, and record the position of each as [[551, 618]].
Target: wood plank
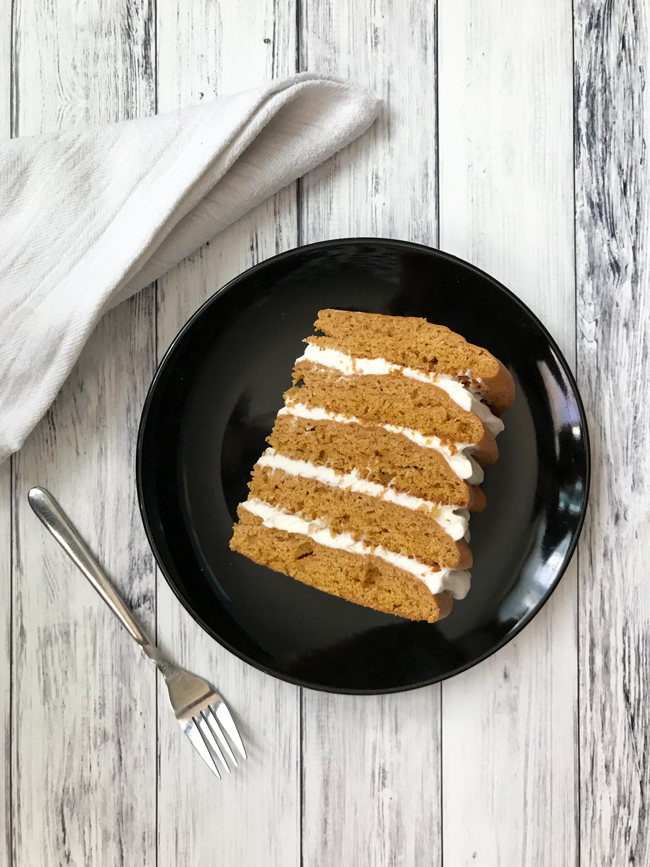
[[371, 188], [371, 764], [371, 778], [253, 816], [5, 511], [5, 663], [84, 700], [505, 125], [613, 272], [5, 66]]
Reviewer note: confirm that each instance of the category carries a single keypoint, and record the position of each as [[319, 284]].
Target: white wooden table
[[514, 134]]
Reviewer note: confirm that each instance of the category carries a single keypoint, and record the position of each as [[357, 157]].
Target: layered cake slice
[[375, 461]]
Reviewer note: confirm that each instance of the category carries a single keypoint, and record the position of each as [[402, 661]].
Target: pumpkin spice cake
[[375, 461]]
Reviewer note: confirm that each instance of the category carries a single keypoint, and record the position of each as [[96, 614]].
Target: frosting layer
[[460, 462], [454, 521], [461, 395], [457, 581]]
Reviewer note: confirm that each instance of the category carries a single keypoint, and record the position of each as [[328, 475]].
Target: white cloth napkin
[[89, 217]]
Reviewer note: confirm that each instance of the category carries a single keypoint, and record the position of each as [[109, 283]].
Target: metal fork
[[199, 708]]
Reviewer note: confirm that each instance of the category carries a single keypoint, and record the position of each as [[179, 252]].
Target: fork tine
[[222, 713], [196, 737], [212, 721], [209, 738]]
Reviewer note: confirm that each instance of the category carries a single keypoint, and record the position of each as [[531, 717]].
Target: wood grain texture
[[5, 69], [78, 63], [5, 512], [253, 816], [613, 271], [5, 664], [506, 204], [84, 750], [371, 779], [384, 183], [371, 764]]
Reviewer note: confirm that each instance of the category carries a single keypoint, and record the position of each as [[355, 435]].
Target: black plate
[[213, 402]]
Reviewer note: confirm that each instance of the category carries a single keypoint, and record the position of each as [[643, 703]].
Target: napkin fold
[[91, 216]]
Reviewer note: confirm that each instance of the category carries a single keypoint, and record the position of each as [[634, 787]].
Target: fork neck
[[165, 667]]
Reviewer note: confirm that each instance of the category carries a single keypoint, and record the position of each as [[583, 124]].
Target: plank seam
[[299, 242], [157, 752], [299, 68], [13, 75], [441, 786], [13, 130], [437, 126], [302, 780], [299, 17], [578, 780], [436, 66], [12, 537]]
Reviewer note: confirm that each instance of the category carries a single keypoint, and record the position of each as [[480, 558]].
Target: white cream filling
[[455, 580], [454, 521], [462, 464], [456, 390]]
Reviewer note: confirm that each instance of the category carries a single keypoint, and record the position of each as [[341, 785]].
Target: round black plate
[[213, 402]]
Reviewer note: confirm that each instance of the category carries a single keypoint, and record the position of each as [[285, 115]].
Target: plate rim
[[314, 247]]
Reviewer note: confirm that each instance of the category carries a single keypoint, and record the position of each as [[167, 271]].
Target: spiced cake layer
[[374, 464], [378, 456], [394, 399], [366, 517], [416, 343], [366, 580]]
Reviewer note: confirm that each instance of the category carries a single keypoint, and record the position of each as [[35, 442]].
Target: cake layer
[[394, 400], [458, 457], [436, 578], [391, 398], [417, 343], [366, 580], [368, 519], [464, 397], [377, 455], [454, 521]]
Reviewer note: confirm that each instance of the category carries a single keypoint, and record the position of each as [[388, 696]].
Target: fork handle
[[60, 526]]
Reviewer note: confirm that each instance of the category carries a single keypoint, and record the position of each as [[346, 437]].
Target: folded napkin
[[91, 216]]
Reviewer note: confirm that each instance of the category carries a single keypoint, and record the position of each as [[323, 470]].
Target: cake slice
[[375, 461]]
